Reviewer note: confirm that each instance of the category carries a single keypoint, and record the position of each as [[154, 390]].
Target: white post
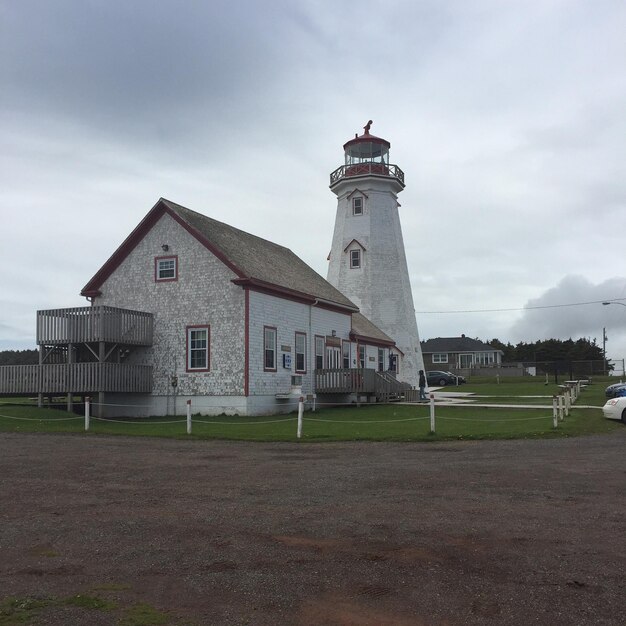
[[314, 399], [567, 402], [561, 407], [189, 417], [498, 378], [300, 412], [87, 401], [546, 377], [432, 412], [555, 412]]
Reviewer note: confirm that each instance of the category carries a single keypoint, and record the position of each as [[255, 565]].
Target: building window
[[319, 352], [362, 357], [165, 268], [198, 348], [355, 259], [381, 359], [269, 348], [300, 353], [357, 206], [440, 358], [485, 358], [346, 355]]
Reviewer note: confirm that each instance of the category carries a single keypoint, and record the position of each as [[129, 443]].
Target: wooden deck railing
[[92, 324], [366, 381], [75, 378]]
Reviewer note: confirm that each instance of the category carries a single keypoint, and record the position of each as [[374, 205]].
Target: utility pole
[[604, 338]]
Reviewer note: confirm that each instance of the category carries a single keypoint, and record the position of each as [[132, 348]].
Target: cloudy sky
[[507, 117]]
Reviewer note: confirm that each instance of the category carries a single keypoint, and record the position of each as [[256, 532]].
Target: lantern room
[[367, 155]]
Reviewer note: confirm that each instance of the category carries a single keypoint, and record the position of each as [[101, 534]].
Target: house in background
[[189, 308], [459, 353]]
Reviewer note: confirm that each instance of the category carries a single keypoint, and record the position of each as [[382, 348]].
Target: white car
[[615, 409]]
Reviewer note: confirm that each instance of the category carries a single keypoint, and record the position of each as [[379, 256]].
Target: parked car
[[615, 409], [442, 379], [615, 390]]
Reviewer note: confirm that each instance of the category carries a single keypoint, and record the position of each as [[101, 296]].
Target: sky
[[507, 118]]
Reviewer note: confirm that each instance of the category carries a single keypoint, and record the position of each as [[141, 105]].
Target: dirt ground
[[363, 534]]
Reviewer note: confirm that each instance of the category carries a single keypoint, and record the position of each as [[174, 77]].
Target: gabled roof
[[357, 242], [258, 263], [367, 331], [455, 344]]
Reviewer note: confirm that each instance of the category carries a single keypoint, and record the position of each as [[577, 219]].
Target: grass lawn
[[394, 422]]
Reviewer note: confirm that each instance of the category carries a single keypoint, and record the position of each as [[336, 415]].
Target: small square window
[[166, 268], [355, 258], [357, 206]]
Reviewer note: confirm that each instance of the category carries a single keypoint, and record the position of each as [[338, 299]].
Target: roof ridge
[[175, 207]]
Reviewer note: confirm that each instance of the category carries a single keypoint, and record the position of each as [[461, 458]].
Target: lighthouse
[[367, 258]]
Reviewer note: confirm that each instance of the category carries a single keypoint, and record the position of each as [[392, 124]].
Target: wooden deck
[[359, 381], [94, 324], [53, 378]]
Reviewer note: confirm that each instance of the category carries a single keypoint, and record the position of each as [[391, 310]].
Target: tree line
[[550, 350]]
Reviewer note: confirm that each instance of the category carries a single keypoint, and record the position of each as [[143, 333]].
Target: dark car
[[616, 390], [442, 379]]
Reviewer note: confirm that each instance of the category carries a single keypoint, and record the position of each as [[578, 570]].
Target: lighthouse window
[[357, 206], [355, 259]]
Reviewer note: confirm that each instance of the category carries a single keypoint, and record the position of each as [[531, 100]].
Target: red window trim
[[295, 353], [275, 368], [208, 347], [156, 268]]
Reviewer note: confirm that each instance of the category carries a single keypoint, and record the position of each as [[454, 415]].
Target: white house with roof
[[189, 308]]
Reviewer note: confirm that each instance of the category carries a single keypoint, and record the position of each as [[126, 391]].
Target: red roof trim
[[356, 190], [290, 294], [370, 341], [366, 138], [355, 241]]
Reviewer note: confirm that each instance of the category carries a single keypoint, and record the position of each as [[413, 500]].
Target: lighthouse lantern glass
[[367, 152]]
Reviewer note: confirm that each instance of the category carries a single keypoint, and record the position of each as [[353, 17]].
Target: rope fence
[[561, 406]]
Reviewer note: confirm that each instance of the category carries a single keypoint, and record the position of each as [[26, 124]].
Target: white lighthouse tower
[[367, 258]]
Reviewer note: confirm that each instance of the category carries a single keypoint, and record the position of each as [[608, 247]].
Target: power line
[[525, 308]]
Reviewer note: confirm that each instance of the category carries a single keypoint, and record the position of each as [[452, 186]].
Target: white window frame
[[357, 205], [194, 350], [166, 265], [355, 259], [440, 358]]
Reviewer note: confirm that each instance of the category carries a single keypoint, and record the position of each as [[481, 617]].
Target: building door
[[333, 357]]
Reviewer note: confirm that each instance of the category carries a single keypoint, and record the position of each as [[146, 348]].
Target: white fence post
[[300, 412], [567, 402], [87, 401], [555, 412], [561, 407], [189, 417], [432, 412]]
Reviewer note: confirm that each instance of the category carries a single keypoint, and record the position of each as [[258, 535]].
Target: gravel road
[[359, 534]]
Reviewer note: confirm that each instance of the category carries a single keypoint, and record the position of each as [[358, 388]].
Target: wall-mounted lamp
[[333, 333], [165, 247]]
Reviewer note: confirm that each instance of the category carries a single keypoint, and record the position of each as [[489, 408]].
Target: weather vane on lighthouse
[[367, 127]]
